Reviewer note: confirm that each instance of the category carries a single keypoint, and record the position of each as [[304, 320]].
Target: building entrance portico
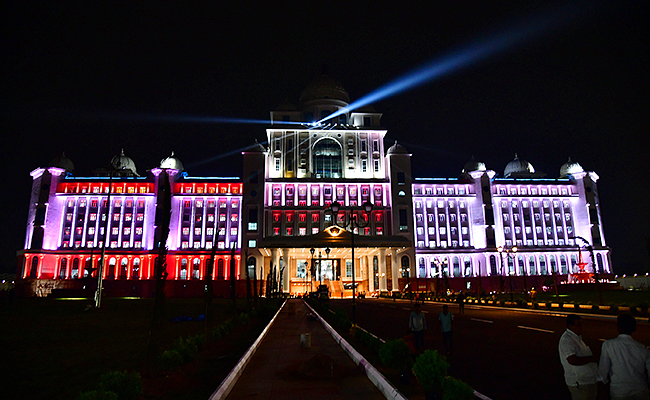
[[327, 258]]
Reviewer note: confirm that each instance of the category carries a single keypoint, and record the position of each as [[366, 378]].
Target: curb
[[226, 386]]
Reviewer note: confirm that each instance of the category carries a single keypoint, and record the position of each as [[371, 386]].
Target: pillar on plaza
[[275, 265], [371, 275], [382, 270], [287, 270], [394, 269]]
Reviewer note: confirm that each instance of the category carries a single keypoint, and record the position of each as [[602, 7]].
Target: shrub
[[576, 306], [97, 395], [186, 348], [243, 318], [170, 359], [643, 306], [502, 303], [431, 368], [395, 354], [127, 385], [548, 305], [560, 305], [613, 307], [521, 302], [595, 307], [535, 305], [455, 389]]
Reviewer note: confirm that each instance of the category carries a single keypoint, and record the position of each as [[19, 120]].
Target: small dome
[[171, 162], [473, 165], [62, 162], [518, 167], [324, 87], [397, 149], [569, 168], [123, 163], [256, 148]]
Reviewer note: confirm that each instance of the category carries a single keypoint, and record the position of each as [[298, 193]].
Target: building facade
[[320, 203]]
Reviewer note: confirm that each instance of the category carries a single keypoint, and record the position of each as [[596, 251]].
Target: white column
[[287, 270], [382, 270], [371, 275], [394, 269]]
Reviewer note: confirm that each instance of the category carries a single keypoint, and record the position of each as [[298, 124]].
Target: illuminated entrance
[[329, 269]]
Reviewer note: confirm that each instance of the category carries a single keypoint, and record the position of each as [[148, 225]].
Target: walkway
[[282, 369]]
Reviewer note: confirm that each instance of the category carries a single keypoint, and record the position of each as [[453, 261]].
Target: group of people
[[418, 324], [624, 363]]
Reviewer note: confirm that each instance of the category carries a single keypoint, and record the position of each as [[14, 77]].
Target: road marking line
[[535, 329], [482, 320]]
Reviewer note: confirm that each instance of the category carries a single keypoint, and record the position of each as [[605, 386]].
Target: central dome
[[518, 167], [324, 88]]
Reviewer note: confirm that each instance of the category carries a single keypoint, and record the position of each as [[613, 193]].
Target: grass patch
[[54, 349]]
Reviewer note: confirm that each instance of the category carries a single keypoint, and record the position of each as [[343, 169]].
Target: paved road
[[502, 354]]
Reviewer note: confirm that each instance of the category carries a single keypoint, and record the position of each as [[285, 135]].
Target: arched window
[[63, 268], [33, 272], [183, 268], [124, 268], [111, 268], [493, 265], [574, 262], [468, 266], [456, 262], [88, 265], [522, 266], [196, 264], [74, 274], [542, 265], [136, 268], [563, 265], [220, 268], [553, 264], [599, 261], [531, 265], [327, 159], [511, 266], [422, 273], [252, 262]]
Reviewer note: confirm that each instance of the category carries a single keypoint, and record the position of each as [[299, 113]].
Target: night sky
[[77, 78]]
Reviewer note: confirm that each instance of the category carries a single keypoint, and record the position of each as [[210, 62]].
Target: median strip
[[535, 329], [482, 320]]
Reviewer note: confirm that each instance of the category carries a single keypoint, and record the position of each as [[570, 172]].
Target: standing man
[[446, 319], [417, 324], [461, 302], [580, 368], [626, 363]]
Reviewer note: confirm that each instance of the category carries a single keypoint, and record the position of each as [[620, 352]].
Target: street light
[[351, 223], [510, 253], [311, 269], [440, 264], [407, 272]]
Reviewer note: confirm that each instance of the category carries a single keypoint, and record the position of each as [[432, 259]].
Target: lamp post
[[590, 248], [312, 269], [350, 223], [441, 266], [406, 272], [510, 253]]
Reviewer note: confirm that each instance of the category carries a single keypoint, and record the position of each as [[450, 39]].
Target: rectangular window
[[376, 164], [403, 220], [364, 165]]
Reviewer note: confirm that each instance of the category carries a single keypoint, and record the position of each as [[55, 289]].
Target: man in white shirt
[[580, 368], [626, 363]]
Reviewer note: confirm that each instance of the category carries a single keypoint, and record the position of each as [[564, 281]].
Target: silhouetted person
[[579, 363], [446, 319], [417, 325], [461, 302], [626, 363]]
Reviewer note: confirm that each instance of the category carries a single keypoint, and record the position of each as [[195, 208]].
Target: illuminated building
[[459, 229]]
